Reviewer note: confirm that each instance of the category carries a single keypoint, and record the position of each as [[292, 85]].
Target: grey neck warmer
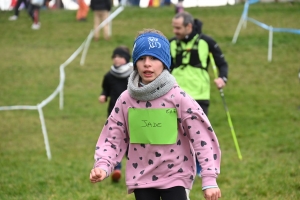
[[123, 71], [157, 88]]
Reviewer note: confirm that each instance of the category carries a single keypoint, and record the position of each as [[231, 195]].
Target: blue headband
[[152, 44]]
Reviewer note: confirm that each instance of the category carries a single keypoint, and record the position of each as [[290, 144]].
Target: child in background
[[34, 12], [16, 9], [163, 129], [114, 83]]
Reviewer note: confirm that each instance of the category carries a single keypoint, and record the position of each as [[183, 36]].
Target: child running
[[163, 129], [114, 83]]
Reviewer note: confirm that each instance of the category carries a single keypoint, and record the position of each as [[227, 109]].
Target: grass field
[[263, 98]]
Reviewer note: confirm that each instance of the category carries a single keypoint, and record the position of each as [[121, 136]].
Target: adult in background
[[101, 9], [190, 50]]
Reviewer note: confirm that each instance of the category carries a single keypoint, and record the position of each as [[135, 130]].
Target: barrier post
[[270, 43], [242, 22]]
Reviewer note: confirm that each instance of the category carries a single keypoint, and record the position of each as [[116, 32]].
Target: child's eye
[[153, 58], [141, 58]]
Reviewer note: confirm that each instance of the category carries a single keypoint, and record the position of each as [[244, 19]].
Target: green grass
[[263, 99]]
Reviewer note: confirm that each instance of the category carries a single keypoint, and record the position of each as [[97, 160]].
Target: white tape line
[[60, 86], [86, 47], [74, 55], [44, 130], [18, 108], [62, 76]]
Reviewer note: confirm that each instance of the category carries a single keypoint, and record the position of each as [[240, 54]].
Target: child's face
[[149, 68], [118, 61]]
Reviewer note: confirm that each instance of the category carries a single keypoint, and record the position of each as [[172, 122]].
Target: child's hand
[[212, 193], [97, 175], [102, 99]]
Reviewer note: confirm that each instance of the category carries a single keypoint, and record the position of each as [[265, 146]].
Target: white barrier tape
[[62, 72], [86, 47], [18, 108], [52, 96], [44, 130], [243, 20], [74, 55], [60, 86], [62, 76]]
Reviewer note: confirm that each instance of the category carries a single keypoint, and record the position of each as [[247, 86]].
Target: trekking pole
[[299, 74], [226, 109]]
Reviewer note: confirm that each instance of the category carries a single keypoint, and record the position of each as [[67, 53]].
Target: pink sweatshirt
[[161, 166]]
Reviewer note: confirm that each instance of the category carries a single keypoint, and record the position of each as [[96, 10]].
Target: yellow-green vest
[[192, 79]]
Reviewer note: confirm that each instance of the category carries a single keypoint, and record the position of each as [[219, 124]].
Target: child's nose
[[147, 61]]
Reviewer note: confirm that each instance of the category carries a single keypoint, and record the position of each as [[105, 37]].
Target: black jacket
[[113, 88], [100, 5]]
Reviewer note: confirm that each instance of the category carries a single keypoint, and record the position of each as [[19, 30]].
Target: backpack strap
[[193, 52]]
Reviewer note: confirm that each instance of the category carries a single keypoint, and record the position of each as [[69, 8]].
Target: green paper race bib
[[153, 126]]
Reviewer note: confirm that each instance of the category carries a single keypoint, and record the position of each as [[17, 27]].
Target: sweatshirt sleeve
[[113, 141], [218, 57], [105, 86], [203, 140]]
